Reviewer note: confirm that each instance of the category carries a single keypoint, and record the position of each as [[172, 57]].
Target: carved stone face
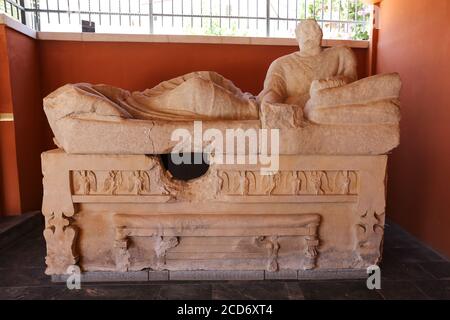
[[309, 36]]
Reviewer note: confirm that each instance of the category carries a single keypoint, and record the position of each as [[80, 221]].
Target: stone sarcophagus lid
[[317, 208]]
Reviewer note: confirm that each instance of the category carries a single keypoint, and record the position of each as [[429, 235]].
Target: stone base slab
[[223, 275]]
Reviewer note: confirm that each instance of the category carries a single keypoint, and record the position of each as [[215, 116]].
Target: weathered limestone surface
[[110, 205], [317, 212]]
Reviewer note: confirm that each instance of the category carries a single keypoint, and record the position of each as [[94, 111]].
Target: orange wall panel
[[414, 40], [9, 176], [29, 119]]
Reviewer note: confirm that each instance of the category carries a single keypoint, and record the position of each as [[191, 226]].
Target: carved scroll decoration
[[369, 236], [60, 237]]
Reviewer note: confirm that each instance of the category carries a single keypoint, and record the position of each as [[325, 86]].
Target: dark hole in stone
[[195, 167]]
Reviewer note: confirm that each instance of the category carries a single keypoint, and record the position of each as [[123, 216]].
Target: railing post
[[267, 18], [150, 15]]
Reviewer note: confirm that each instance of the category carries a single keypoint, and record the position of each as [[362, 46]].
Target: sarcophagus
[[112, 202]]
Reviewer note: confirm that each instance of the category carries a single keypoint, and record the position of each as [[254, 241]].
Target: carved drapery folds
[[369, 236], [337, 182], [85, 181], [60, 237]]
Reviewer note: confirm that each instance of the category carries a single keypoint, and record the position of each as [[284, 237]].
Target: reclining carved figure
[[313, 90]]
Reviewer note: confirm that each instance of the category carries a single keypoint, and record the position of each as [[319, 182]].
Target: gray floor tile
[[250, 290]]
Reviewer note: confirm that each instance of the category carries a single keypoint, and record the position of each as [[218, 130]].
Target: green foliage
[[340, 10]]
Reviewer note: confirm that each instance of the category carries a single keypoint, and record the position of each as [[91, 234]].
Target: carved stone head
[[309, 36]]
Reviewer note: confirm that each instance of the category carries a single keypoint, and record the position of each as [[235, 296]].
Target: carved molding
[[369, 236], [60, 237], [343, 182], [302, 227]]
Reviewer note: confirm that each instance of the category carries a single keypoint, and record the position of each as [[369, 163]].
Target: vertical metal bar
[[323, 13], [201, 13], [331, 15], [120, 11], [109, 11], [268, 18], [278, 14], [229, 14], [59, 15], [162, 13], [139, 11], [248, 14], [100, 11], [37, 16], [306, 9], [89, 9], [150, 15], [239, 14], [220, 13], [129, 13], [23, 17], [79, 12], [182, 13], [348, 14], [210, 14], [48, 12], [172, 15], [257, 14], [287, 16], [68, 9], [192, 13], [340, 9], [314, 8]]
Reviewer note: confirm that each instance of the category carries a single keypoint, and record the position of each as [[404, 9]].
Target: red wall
[[415, 41], [29, 119], [9, 176]]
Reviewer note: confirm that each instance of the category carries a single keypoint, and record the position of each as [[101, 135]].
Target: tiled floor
[[409, 271]]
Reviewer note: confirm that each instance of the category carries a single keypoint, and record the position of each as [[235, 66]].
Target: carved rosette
[[369, 237], [60, 237]]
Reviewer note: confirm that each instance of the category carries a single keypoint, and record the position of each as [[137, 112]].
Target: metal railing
[[345, 19]]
